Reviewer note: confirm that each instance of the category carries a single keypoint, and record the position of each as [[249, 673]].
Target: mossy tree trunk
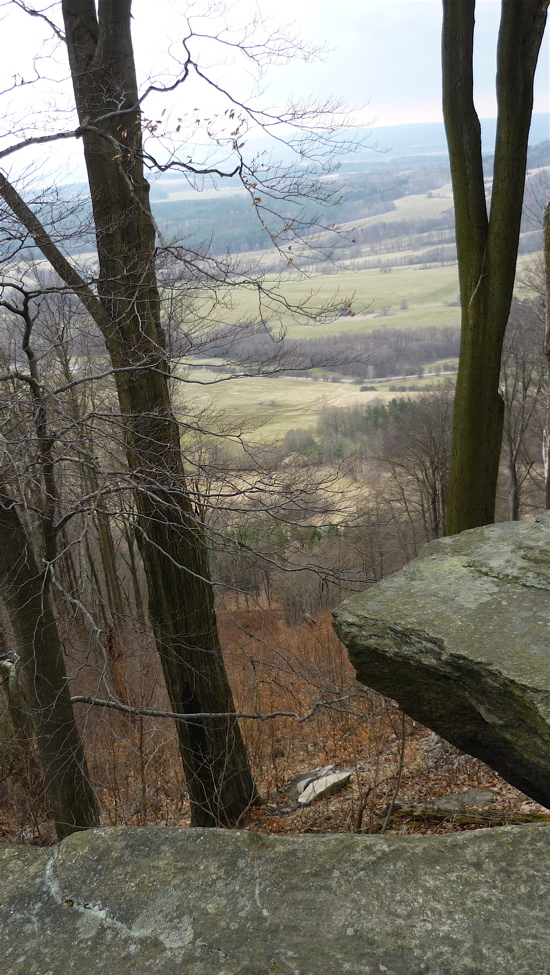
[[487, 243]]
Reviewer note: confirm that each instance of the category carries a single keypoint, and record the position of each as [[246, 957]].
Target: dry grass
[[266, 408], [274, 666]]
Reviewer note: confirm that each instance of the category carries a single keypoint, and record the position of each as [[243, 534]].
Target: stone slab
[[459, 801], [218, 902], [324, 785]]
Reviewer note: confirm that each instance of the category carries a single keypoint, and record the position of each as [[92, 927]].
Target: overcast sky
[[381, 54], [389, 52], [382, 57]]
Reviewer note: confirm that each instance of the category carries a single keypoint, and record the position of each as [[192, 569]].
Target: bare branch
[[38, 140], [51, 252], [229, 715], [40, 14]]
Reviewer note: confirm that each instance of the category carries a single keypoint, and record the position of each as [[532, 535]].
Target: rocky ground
[[439, 790]]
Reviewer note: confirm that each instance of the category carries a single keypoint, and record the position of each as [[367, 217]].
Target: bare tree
[[123, 299], [523, 386], [414, 449], [25, 591], [26, 576]]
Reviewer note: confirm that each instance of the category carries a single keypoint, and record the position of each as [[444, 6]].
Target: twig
[[399, 775]]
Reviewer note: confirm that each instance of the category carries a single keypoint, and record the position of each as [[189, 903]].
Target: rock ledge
[[216, 902], [460, 638]]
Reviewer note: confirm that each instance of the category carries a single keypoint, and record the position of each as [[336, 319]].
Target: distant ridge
[[411, 142], [428, 138], [391, 142]]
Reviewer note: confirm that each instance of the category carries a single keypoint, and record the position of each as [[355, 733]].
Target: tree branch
[[40, 140], [51, 252], [177, 716]]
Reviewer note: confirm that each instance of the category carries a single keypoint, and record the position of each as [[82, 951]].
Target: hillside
[[369, 183], [369, 293]]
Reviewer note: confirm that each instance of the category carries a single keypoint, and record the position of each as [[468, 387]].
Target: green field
[[415, 207], [295, 298], [266, 408]]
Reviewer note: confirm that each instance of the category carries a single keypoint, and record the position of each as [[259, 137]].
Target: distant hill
[[369, 190], [416, 140], [428, 138], [411, 159]]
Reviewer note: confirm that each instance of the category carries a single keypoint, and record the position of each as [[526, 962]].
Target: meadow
[[291, 300], [327, 299], [266, 408]]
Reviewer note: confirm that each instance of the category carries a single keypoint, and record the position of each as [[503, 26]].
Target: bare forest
[[169, 556]]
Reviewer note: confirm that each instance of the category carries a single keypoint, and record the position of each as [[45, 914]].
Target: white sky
[[382, 52], [383, 58], [388, 52]]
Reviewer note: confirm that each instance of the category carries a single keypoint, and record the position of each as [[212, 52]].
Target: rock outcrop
[[460, 638], [215, 902]]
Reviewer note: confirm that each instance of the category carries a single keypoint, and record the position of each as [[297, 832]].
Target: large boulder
[[212, 902], [460, 638]]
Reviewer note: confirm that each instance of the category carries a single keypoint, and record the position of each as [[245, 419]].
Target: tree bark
[[547, 338], [486, 244], [44, 679], [170, 537], [513, 488]]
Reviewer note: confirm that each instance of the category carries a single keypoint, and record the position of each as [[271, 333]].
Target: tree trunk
[[134, 573], [547, 338], [513, 487], [17, 748], [170, 537], [113, 636], [73, 801], [486, 245]]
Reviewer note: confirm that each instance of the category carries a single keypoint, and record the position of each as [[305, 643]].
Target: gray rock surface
[[460, 638], [295, 788], [459, 801], [326, 785], [317, 783], [215, 902]]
